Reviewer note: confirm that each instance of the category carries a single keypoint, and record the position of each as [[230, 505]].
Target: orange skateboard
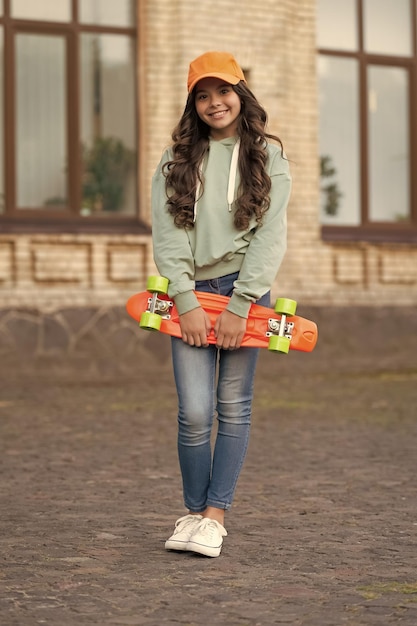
[[277, 329]]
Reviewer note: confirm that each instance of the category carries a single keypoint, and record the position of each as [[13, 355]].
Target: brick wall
[[275, 43], [46, 272]]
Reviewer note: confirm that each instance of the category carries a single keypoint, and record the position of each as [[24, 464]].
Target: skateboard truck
[[280, 328], [280, 331], [157, 309], [161, 307]]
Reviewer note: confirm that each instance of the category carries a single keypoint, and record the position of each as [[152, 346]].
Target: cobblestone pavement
[[323, 528]]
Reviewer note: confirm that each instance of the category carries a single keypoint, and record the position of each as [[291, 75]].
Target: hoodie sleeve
[[268, 245], [171, 246]]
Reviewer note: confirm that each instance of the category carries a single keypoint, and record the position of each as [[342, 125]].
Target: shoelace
[[209, 526], [185, 521]]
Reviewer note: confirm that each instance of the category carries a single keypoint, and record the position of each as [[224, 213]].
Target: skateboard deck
[[262, 325]]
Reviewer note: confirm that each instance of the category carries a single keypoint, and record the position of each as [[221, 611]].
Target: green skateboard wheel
[[150, 321], [285, 306], [157, 284], [279, 344]]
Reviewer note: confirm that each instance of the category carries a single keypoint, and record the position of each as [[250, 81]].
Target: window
[[367, 71], [68, 114]]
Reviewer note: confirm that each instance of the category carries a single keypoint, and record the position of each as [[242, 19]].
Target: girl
[[219, 199]]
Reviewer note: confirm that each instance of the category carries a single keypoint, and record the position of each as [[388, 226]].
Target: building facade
[[90, 91]]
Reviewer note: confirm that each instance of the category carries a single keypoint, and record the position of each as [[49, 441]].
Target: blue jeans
[[210, 380]]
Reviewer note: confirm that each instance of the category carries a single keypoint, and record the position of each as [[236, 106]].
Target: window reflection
[[107, 12], [388, 27], [41, 121], [339, 140], [388, 144], [47, 10], [336, 24], [107, 125]]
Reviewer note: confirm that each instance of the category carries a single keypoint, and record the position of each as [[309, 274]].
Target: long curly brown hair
[[190, 143]]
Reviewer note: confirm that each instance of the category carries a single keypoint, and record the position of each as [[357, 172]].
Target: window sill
[[383, 233], [85, 226]]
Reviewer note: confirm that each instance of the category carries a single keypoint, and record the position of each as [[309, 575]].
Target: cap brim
[[228, 78]]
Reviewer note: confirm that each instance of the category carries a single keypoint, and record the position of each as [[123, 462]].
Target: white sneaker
[[207, 538], [184, 528]]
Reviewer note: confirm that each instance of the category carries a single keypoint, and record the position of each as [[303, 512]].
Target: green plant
[[330, 189], [106, 166]]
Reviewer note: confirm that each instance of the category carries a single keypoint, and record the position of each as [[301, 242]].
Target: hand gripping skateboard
[[277, 329]]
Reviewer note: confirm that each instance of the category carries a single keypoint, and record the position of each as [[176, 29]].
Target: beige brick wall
[[275, 43], [48, 272]]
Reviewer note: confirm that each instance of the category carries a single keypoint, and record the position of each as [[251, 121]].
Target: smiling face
[[218, 105]]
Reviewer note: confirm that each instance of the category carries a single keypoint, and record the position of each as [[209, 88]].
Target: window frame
[[15, 219], [367, 230]]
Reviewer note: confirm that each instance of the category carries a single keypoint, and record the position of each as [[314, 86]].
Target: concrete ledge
[[348, 338]]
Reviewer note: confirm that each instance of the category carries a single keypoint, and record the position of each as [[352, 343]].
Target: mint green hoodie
[[214, 247]]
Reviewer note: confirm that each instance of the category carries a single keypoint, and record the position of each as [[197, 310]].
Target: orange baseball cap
[[221, 65]]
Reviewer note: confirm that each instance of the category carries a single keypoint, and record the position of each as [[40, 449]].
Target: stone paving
[[324, 524]]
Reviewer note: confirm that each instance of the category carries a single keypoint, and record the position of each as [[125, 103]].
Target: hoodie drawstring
[[231, 183], [197, 191], [232, 175]]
